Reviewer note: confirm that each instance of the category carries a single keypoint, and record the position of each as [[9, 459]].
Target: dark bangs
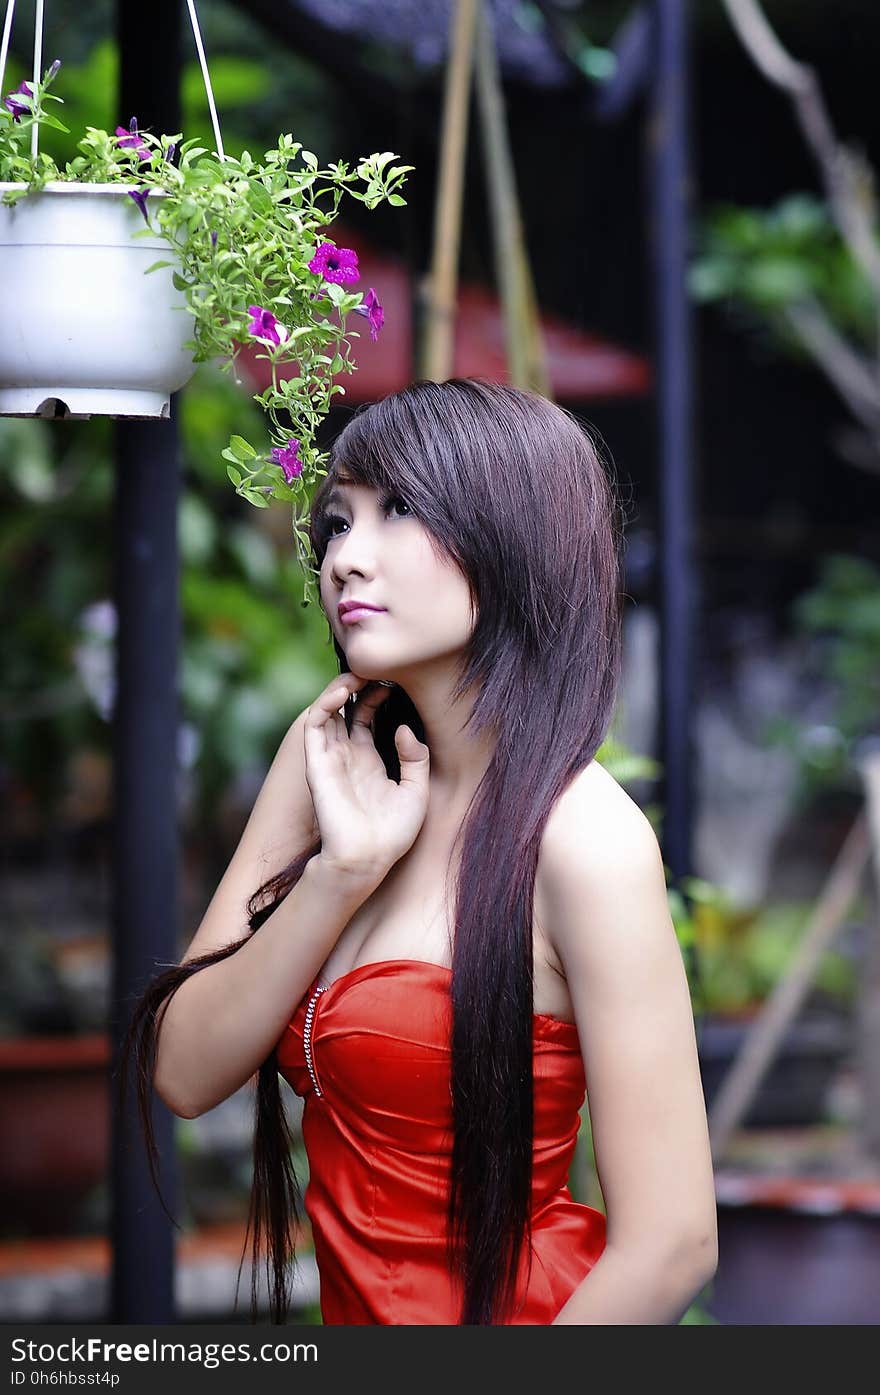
[[392, 446]]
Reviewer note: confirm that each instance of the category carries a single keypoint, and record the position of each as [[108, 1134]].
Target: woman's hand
[[366, 820]]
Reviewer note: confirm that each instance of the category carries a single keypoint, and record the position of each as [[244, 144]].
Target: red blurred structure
[[581, 366]]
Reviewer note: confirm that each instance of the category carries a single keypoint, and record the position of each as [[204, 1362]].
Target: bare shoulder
[[595, 819], [599, 850]]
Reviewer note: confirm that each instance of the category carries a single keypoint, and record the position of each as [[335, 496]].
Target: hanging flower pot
[[103, 314], [83, 331]]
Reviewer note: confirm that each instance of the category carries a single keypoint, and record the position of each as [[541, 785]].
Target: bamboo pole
[[524, 349], [438, 333], [766, 1034]]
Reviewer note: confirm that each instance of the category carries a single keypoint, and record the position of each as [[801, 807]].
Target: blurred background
[[785, 550]]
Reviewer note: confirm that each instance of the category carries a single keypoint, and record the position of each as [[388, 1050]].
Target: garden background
[[787, 549]]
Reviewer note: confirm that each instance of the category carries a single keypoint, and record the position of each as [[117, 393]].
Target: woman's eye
[[385, 505], [395, 499]]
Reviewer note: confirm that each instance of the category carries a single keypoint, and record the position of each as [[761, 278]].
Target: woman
[[455, 916]]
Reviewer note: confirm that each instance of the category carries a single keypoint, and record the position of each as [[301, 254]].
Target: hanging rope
[[4, 42], [206, 78], [38, 63]]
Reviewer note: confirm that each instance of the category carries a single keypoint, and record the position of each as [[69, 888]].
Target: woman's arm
[[224, 1020], [603, 896]]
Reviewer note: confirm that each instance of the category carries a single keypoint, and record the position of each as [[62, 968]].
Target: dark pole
[[145, 900], [669, 180]]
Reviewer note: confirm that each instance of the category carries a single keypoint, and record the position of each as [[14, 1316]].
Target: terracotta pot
[[54, 1121]]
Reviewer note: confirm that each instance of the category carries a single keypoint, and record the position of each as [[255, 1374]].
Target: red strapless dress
[[370, 1056]]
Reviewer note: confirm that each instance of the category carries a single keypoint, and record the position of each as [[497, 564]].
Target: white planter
[[82, 331]]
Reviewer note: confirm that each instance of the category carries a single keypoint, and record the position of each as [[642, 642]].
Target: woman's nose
[[354, 551]]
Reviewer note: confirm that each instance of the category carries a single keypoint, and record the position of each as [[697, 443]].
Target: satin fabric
[[379, 1143]]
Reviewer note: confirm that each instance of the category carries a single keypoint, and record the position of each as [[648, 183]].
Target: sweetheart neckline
[[425, 963]]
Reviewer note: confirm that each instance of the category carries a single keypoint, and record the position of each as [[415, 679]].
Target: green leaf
[[397, 201], [233, 474], [155, 267], [241, 449]]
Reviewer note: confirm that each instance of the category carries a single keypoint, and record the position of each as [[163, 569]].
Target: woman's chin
[[370, 673]]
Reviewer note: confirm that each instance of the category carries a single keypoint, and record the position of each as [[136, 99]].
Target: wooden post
[[438, 335], [524, 349]]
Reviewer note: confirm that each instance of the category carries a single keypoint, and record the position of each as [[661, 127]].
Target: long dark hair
[[513, 489]]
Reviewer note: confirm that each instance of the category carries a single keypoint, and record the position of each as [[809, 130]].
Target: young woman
[[445, 918]]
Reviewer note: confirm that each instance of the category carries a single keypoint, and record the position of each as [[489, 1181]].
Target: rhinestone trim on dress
[[307, 1036]]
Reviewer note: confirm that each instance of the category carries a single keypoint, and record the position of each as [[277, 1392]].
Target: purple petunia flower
[[14, 103], [140, 197], [263, 324], [214, 238], [288, 458], [372, 311], [131, 138], [335, 264]]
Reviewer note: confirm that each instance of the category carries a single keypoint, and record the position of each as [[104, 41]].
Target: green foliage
[[844, 609], [697, 1315], [841, 615], [251, 658], [759, 262], [241, 232], [743, 953], [624, 764]]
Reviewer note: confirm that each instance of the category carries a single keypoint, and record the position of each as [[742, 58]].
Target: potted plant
[[54, 1096], [792, 1180], [246, 256], [741, 955]]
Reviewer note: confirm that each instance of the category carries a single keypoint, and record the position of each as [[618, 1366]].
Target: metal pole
[[669, 181], [145, 899]]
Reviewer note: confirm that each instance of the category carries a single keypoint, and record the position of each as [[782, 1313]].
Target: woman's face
[[379, 552]]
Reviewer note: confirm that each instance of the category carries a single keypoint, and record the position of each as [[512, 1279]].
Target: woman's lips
[[350, 617]]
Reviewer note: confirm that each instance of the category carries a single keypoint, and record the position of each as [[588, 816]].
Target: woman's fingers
[[324, 713], [334, 696], [364, 712]]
